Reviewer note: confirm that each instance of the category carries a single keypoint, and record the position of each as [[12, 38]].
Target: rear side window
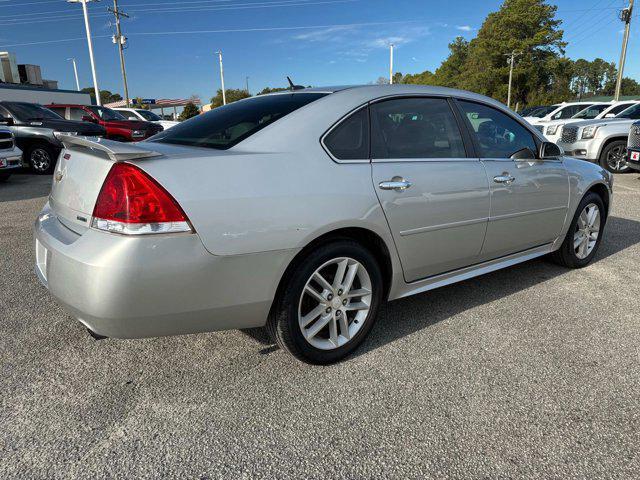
[[498, 135], [415, 128], [76, 113], [349, 140], [224, 127], [58, 110]]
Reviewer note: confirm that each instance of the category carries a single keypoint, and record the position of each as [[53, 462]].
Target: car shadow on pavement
[[403, 317], [24, 186]]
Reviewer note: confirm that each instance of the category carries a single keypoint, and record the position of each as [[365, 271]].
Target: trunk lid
[[80, 172]]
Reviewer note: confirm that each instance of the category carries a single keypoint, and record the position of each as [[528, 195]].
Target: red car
[[117, 126]]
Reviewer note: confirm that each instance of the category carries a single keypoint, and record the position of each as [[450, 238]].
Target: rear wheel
[[613, 157], [42, 158], [329, 303], [584, 235]]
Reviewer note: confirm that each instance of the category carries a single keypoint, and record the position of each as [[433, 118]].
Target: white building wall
[[43, 96]]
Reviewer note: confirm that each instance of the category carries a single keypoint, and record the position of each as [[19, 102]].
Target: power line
[[235, 30]]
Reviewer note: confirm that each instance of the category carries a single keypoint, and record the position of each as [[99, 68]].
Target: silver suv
[[601, 141], [10, 155], [633, 147]]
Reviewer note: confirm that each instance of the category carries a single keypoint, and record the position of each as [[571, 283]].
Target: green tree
[[105, 95], [189, 110], [266, 90], [232, 95]]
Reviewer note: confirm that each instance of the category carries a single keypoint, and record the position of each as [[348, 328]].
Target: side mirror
[[610, 115], [549, 150], [524, 154], [88, 118], [8, 121], [132, 117]]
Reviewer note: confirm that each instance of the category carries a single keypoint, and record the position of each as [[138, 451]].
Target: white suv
[[562, 111], [10, 155], [553, 130], [146, 116]]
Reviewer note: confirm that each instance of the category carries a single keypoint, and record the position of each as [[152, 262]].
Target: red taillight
[[132, 202]]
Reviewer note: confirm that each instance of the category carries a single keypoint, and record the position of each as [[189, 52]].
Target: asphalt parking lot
[[529, 372]]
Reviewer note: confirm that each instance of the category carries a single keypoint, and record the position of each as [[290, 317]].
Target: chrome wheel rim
[[615, 159], [40, 160], [587, 231], [335, 303]]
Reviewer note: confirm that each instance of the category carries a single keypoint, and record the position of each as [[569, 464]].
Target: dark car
[[33, 126], [117, 125]]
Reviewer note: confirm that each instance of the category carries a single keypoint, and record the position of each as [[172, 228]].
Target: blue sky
[[316, 42]]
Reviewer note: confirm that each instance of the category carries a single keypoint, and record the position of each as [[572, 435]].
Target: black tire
[[283, 320], [566, 254], [42, 158], [612, 157], [4, 177]]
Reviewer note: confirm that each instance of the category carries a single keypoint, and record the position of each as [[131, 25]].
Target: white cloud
[[464, 28]]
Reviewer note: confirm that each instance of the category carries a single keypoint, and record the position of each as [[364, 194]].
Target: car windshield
[[591, 112], [542, 111], [25, 112], [631, 112], [224, 127], [106, 113], [147, 115]]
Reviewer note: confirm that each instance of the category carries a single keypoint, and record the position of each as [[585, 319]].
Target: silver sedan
[[303, 211]]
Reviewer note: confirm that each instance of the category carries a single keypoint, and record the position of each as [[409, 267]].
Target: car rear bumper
[[153, 285]]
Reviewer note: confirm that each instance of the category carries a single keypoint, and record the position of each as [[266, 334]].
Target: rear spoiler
[[117, 151]]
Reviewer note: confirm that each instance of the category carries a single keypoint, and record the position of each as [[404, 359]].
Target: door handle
[[396, 183], [504, 178]]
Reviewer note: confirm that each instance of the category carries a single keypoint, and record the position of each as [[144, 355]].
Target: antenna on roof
[[292, 86]]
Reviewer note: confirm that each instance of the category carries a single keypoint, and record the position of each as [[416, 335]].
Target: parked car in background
[[562, 111], [305, 210], [145, 115], [10, 154], [602, 141], [33, 126], [633, 147], [117, 126], [528, 110], [553, 130]]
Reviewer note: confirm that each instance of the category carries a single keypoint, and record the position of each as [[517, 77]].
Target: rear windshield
[[227, 126], [106, 113], [147, 115], [542, 111], [26, 112]]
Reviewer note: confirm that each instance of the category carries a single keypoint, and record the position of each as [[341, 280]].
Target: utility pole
[[90, 44], [625, 16], [391, 64], [75, 72], [247, 80], [224, 95], [119, 40], [512, 60]]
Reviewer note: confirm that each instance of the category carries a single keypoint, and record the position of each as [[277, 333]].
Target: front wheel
[[329, 303], [42, 158], [613, 157], [584, 235]]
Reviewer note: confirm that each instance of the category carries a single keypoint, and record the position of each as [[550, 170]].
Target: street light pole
[[247, 79], [119, 40], [391, 64], [512, 60], [224, 96], [625, 16], [90, 45], [75, 72]]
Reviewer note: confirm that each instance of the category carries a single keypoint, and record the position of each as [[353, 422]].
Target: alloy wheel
[[335, 303], [615, 159], [587, 231], [40, 160]]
